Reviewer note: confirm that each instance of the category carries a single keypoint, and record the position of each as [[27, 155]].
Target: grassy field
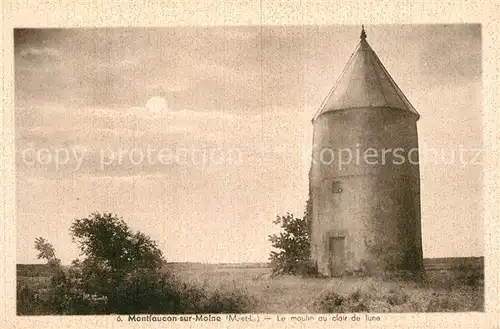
[[446, 290], [290, 294]]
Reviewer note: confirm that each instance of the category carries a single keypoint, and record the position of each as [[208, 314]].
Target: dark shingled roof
[[365, 82]]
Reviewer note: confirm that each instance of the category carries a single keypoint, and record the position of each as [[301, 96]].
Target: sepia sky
[[102, 99]]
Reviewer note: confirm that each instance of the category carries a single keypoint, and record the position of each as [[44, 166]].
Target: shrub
[[120, 274], [442, 303], [226, 302], [469, 275], [27, 302], [332, 302], [368, 295], [293, 244]]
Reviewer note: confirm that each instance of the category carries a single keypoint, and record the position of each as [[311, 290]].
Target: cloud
[[129, 131], [98, 177], [190, 76], [240, 33], [105, 124], [127, 63], [171, 86], [143, 112], [40, 53]]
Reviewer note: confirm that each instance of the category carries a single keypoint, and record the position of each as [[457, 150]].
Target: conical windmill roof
[[365, 83]]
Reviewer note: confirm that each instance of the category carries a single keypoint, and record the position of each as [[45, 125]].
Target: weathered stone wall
[[378, 208]]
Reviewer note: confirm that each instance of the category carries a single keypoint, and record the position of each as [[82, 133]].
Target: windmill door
[[336, 255]]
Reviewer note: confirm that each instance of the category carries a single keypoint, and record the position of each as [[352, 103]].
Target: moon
[[157, 105]]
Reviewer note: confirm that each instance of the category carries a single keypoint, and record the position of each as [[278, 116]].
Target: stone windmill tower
[[364, 178]]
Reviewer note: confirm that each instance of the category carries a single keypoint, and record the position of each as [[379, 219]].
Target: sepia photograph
[[191, 171]]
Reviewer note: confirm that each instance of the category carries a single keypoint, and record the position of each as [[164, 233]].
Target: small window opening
[[337, 187]]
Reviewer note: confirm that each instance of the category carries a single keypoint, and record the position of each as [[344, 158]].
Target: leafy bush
[[470, 275], [28, 301], [226, 302], [332, 302], [293, 243], [119, 274]]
